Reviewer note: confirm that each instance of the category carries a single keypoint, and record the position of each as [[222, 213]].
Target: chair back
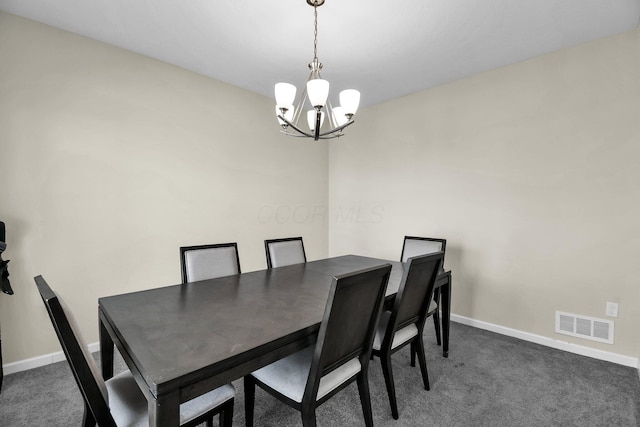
[[209, 261], [287, 251], [349, 322], [83, 366], [414, 246], [414, 293]]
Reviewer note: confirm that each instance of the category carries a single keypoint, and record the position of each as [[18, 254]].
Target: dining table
[[184, 340]]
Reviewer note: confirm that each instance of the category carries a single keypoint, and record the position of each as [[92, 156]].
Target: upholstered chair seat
[[129, 406], [404, 324], [415, 246], [209, 261], [289, 376], [119, 401], [283, 252], [340, 356], [401, 336]]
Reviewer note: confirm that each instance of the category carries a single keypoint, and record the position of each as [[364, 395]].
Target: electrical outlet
[[612, 309]]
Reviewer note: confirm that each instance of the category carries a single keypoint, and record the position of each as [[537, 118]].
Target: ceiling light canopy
[[316, 92]]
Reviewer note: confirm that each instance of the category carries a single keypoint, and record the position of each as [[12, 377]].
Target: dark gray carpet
[[488, 380]]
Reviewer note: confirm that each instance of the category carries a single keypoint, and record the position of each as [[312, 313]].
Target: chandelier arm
[[338, 135], [295, 127], [294, 134], [304, 136], [349, 123]]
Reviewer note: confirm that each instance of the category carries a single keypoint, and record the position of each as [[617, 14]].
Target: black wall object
[[4, 265], [4, 282], [3, 246]]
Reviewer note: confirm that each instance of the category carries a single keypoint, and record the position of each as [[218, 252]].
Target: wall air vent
[[590, 328]]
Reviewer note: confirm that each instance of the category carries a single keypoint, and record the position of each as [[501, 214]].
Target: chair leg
[[436, 316], [385, 359], [87, 417], [308, 416], [365, 398], [413, 354], [436, 324], [423, 361], [249, 399], [226, 415]]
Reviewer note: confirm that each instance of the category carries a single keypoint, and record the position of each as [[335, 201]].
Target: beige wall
[[109, 161], [530, 172]]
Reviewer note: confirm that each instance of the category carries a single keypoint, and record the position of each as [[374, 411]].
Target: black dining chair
[[287, 251], [204, 262], [413, 246], [404, 324], [119, 401], [308, 378]]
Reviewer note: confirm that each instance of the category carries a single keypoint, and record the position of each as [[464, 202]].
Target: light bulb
[[339, 116], [318, 91], [311, 119], [285, 93], [349, 100]]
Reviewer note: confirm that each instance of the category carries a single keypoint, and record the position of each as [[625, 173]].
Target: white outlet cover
[[612, 309]]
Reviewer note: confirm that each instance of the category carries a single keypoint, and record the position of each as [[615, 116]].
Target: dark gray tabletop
[[178, 335]]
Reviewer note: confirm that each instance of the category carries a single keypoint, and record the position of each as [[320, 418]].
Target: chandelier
[[317, 93]]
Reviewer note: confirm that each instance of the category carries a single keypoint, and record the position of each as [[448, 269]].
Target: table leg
[[445, 295], [165, 411], [106, 352]]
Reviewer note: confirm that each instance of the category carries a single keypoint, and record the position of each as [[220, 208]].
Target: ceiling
[[384, 48]]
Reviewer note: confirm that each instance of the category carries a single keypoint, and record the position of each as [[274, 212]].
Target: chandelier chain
[[315, 32]]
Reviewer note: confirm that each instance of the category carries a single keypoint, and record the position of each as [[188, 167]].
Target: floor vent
[[590, 328]]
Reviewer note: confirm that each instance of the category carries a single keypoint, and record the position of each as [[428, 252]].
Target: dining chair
[[204, 262], [413, 246], [308, 378], [404, 324], [119, 401], [287, 251]]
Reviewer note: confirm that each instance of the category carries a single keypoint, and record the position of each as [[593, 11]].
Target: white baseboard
[[36, 362], [548, 342], [47, 359]]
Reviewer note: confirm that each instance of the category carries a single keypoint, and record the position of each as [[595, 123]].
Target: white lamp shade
[[288, 115], [285, 93], [350, 100], [339, 116], [318, 91], [311, 119]]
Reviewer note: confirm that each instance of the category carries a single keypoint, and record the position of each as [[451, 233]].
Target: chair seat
[[289, 376], [401, 336], [129, 406], [433, 306]]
